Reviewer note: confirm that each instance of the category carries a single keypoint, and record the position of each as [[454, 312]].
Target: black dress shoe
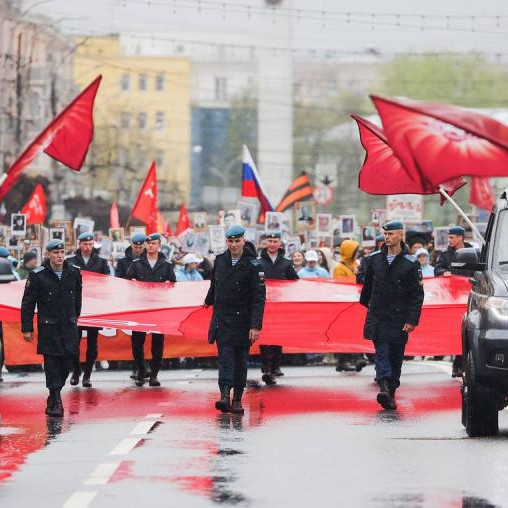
[[277, 372], [86, 382], [74, 379], [384, 397], [269, 379], [154, 381], [224, 403]]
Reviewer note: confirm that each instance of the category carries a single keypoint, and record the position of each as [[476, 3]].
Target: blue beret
[[153, 236], [235, 231], [457, 230], [138, 238], [86, 237], [4, 252], [55, 244], [380, 238], [274, 234], [393, 225]]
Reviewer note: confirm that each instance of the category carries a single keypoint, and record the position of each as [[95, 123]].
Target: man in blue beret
[[132, 252], [277, 267], [55, 288], [443, 266], [87, 258], [237, 294], [150, 266], [393, 293]]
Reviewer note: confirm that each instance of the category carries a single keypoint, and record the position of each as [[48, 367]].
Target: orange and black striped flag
[[299, 190]]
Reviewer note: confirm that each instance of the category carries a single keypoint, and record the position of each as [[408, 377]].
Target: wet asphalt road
[[316, 439]]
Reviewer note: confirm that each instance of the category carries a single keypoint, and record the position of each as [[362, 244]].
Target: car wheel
[[480, 408]]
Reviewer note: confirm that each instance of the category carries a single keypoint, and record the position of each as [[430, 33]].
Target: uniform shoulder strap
[[38, 269]]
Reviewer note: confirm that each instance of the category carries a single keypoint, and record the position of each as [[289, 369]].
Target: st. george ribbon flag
[[302, 316], [440, 144], [66, 138]]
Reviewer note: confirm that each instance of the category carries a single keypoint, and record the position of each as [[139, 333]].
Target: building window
[[221, 89], [125, 120], [125, 82], [142, 82], [160, 120], [159, 82], [160, 159], [142, 120]]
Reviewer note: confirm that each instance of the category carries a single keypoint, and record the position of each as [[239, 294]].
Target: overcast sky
[[320, 23]]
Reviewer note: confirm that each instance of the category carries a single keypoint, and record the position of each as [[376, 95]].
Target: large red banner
[[302, 316]]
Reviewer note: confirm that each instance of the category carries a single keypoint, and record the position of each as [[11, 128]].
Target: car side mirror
[[466, 262]]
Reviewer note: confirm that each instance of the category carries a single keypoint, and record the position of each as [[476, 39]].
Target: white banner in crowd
[[405, 207]]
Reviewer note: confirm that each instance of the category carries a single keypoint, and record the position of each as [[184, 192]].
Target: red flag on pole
[[66, 139], [383, 172], [183, 220], [438, 149], [114, 218], [35, 208], [145, 208], [481, 193]]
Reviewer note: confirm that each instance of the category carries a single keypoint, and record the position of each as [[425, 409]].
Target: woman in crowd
[[189, 272], [312, 270], [298, 260]]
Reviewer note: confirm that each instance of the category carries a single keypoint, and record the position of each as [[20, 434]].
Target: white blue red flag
[[251, 184]]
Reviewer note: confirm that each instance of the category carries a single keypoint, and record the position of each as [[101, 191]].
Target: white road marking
[[102, 473], [80, 500], [125, 446], [445, 367], [154, 415], [143, 427]]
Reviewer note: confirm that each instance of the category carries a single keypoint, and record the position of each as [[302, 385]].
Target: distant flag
[[35, 208], [66, 138], [251, 183], [114, 219], [299, 190], [183, 220], [481, 193], [145, 208]]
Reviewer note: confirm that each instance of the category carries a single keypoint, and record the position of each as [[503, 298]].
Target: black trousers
[[56, 369], [389, 358], [138, 352], [233, 365], [271, 357], [92, 351]]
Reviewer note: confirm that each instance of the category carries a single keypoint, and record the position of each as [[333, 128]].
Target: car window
[[501, 245]]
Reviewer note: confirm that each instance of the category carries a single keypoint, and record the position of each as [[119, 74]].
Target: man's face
[[312, 264], [86, 248], [137, 249], [235, 245], [455, 241], [31, 264], [394, 237], [56, 257], [273, 245], [415, 247], [152, 246]]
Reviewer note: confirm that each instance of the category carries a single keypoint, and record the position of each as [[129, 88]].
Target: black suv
[[485, 326]]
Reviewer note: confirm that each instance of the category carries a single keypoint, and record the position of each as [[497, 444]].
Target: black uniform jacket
[[95, 263], [122, 266], [280, 269], [58, 308], [238, 295], [445, 259], [140, 269], [393, 294]]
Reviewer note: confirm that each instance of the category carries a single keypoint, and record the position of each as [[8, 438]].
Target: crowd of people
[[347, 259]]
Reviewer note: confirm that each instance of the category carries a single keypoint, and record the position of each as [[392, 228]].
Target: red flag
[[183, 220], [481, 193], [383, 172], [66, 138], [145, 208], [114, 218], [438, 150], [35, 208]]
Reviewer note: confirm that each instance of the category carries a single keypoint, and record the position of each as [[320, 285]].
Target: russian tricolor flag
[[251, 183]]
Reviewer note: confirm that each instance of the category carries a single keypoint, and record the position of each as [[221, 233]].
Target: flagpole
[[461, 212]]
